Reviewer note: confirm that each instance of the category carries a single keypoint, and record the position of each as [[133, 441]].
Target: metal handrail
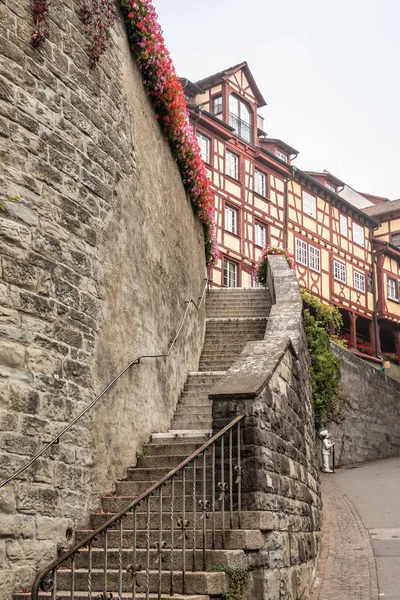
[[135, 361], [41, 577], [241, 129]]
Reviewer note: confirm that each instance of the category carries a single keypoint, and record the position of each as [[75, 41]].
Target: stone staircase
[[234, 317]]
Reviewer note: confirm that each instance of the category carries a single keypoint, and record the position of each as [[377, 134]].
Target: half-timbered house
[[261, 198]]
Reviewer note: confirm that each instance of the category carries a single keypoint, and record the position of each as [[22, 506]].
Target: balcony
[[242, 129]]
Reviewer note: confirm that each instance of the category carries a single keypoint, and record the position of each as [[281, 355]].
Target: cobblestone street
[[347, 569]]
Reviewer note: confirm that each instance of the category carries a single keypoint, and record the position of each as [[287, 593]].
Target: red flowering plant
[[164, 88], [41, 21], [260, 271]]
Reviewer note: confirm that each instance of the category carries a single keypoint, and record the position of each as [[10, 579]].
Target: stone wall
[[371, 428], [99, 250], [270, 385]]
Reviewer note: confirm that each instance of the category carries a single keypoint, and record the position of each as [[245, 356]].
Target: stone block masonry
[[371, 426], [270, 385], [99, 249]]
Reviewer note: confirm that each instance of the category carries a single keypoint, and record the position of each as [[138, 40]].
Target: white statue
[[327, 446]]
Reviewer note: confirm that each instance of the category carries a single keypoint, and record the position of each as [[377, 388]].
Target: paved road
[[361, 535], [374, 490]]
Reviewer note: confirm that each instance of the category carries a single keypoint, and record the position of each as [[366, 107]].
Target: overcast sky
[[329, 72]]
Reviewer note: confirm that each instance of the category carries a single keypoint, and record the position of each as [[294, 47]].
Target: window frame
[[354, 229], [342, 269], [341, 222], [263, 226], [395, 297], [264, 175], [228, 261], [393, 235], [303, 251], [370, 283], [213, 99], [235, 211], [282, 156], [361, 278], [316, 258], [232, 154], [207, 160], [307, 197]]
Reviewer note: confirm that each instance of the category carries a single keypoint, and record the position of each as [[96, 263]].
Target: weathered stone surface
[[370, 430], [99, 250]]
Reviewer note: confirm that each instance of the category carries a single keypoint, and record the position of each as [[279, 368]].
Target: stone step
[[191, 423], [234, 539], [195, 398], [250, 520], [114, 504], [152, 473], [223, 364], [193, 435], [166, 460], [184, 408], [206, 583], [132, 489], [174, 448], [66, 595], [234, 559]]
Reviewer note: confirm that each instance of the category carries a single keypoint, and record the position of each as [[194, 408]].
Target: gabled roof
[[226, 73], [374, 199], [386, 208], [276, 142], [326, 175]]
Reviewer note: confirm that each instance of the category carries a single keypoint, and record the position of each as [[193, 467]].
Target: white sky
[[329, 72]]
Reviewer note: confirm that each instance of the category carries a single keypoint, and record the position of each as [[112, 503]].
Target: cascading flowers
[[260, 270], [164, 88]]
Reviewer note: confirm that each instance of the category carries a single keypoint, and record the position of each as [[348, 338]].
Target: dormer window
[[217, 105], [281, 156], [331, 188], [240, 118]]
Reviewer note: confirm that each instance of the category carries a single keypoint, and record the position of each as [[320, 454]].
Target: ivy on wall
[[98, 17], [318, 318]]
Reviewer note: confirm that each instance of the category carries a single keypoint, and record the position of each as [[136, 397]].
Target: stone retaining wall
[[99, 250], [270, 385], [371, 428]]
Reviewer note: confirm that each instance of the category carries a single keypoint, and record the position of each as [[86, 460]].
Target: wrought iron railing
[[135, 361], [241, 129], [161, 535]]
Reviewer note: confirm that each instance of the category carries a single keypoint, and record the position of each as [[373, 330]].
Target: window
[[358, 235], [392, 289], [260, 183], [370, 288], [281, 156], [331, 188], [240, 119], [261, 235], [230, 273], [204, 144], [359, 282], [339, 271], [232, 165], [343, 226], [217, 105], [309, 205], [396, 239], [314, 255], [301, 252], [231, 220]]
